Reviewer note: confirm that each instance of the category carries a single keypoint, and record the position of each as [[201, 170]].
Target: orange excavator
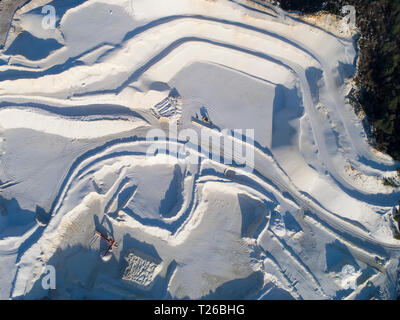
[[205, 119], [112, 243]]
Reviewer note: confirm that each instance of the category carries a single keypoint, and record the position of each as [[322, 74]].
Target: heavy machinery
[[111, 242]]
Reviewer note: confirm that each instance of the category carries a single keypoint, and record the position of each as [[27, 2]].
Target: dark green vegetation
[[390, 182], [310, 6], [378, 79]]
